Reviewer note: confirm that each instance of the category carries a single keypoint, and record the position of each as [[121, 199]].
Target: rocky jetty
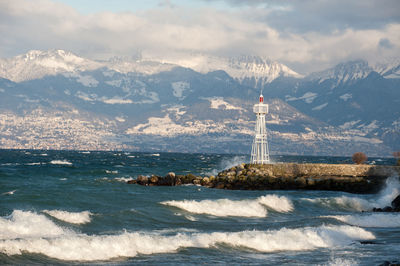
[[285, 176]]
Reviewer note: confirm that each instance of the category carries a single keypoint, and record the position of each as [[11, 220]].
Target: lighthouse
[[260, 150]]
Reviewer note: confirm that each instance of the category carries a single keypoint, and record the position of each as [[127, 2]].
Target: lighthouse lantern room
[[260, 150]]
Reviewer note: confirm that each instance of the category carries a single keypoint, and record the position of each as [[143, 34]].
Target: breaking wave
[[35, 233], [241, 208], [61, 162], [383, 199], [70, 217], [369, 220]]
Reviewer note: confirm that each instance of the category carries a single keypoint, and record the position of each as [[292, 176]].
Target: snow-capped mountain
[[37, 64], [344, 72], [249, 70], [356, 70], [254, 71]]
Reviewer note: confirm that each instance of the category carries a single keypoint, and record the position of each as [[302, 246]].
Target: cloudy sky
[[306, 35]]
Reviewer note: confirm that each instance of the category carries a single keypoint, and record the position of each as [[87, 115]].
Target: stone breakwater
[[285, 176]]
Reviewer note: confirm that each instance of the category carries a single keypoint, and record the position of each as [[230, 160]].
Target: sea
[[75, 208]]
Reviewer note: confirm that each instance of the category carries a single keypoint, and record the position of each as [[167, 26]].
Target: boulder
[[396, 203], [142, 180], [154, 179]]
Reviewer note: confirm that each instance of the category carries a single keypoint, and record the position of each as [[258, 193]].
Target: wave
[[70, 217], [241, 208], [61, 162], [369, 220], [221, 207], [383, 198], [123, 179], [277, 203], [111, 171], [33, 163], [43, 236]]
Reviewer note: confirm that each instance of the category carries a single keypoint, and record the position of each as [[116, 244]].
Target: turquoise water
[[70, 207]]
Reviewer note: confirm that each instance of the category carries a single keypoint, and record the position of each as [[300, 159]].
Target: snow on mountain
[[261, 69], [143, 66], [343, 72], [37, 64], [356, 70], [389, 68]]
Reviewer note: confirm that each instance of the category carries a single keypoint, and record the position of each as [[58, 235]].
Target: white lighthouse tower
[[260, 150]]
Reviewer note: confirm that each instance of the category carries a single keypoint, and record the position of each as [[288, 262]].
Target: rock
[[171, 174], [154, 179], [220, 185], [396, 202], [132, 182], [142, 180], [205, 181], [196, 182], [387, 209]]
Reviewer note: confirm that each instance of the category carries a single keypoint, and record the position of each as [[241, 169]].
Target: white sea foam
[[61, 162], [341, 262], [111, 171], [26, 224], [278, 203], [35, 233], [383, 199], [123, 179], [242, 208], [370, 220], [33, 164], [221, 207], [70, 217], [9, 192]]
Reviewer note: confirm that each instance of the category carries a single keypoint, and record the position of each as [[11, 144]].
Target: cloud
[[171, 31], [321, 15]]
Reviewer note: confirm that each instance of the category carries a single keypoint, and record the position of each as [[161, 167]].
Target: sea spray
[[73, 246], [382, 199], [228, 163]]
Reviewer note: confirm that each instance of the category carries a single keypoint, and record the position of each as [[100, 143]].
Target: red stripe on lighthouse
[[261, 99]]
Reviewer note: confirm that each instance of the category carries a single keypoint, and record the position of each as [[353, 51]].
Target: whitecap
[[277, 203], [123, 179], [369, 220], [221, 207], [70, 217], [61, 162], [33, 164], [111, 171], [27, 224], [35, 233], [240, 208], [9, 192]]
